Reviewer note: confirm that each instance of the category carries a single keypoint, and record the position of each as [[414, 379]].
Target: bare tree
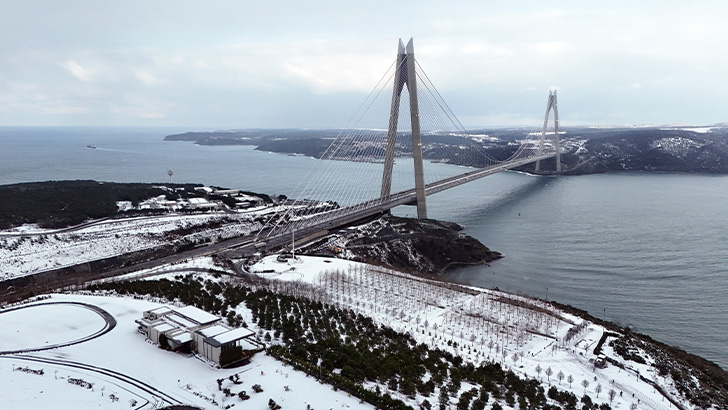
[[560, 375], [570, 379], [549, 372], [611, 394], [598, 389], [585, 383], [538, 370]]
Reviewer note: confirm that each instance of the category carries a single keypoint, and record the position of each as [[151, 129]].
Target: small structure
[[192, 329], [214, 347], [159, 202], [204, 189], [228, 192], [248, 201], [601, 361], [201, 203]]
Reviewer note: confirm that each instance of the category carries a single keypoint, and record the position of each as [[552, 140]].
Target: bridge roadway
[[12, 290], [323, 224]]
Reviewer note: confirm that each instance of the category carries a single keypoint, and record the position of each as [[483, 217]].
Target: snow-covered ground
[[27, 250], [679, 147], [528, 336], [698, 130], [119, 369]]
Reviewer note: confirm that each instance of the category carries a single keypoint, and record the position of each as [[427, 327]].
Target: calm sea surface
[[645, 250]]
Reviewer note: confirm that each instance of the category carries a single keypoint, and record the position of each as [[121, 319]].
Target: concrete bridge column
[[551, 105], [405, 74]]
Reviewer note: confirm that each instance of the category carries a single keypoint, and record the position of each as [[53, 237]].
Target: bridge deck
[[322, 224]]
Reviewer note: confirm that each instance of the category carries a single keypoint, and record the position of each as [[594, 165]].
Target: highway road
[[269, 240]]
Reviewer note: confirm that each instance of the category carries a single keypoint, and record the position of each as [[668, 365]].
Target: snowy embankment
[[30, 250]]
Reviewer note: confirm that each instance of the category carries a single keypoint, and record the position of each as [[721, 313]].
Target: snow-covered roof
[[160, 310], [197, 315], [180, 336], [181, 320], [212, 330], [144, 322], [246, 345], [229, 337], [163, 327], [243, 197]]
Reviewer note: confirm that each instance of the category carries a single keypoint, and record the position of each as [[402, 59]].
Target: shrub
[[231, 355]]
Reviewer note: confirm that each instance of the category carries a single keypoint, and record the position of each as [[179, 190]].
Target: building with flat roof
[[201, 203], [195, 330]]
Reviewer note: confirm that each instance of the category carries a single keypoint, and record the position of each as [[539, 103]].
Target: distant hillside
[[59, 204], [586, 150], [649, 149]]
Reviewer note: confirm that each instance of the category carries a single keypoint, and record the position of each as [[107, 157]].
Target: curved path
[[158, 398], [109, 320]]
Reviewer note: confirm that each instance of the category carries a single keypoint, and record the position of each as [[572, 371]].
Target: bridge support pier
[[551, 105], [405, 74]]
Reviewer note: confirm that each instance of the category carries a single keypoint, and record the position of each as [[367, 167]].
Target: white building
[[193, 329], [247, 201], [201, 203]]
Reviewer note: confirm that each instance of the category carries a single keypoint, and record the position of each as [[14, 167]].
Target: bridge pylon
[[405, 75], [551, 105]]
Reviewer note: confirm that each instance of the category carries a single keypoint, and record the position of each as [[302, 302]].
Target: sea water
[[641, 249]]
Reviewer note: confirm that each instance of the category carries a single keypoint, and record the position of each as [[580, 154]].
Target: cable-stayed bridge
[[389, 167]]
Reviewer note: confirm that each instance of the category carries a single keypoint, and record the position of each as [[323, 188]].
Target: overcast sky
[[244, 64]]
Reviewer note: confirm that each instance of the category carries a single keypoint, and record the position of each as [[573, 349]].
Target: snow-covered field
[[28, 249], [119, 369], [528, 336]]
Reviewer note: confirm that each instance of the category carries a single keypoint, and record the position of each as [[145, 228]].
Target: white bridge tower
[[405, 74], [551, 105]]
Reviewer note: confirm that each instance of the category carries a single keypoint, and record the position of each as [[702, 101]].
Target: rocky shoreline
[[408, 245]]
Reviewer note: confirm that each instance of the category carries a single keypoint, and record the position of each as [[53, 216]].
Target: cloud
[[235, 63], [91, 71], [147, 78], [78, 71]]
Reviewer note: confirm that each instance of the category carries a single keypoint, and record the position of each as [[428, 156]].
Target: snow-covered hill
[[533, 339]]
